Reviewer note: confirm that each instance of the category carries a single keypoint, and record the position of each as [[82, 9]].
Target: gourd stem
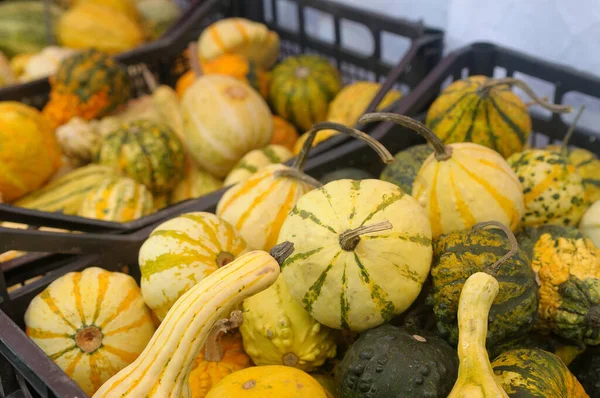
[[149, 78], [213, 351], [514, 245], [511, 81], [194, 60], [442, 152], [349, 239], [383, 153], [282, 251], [298, 175], [565, 145]]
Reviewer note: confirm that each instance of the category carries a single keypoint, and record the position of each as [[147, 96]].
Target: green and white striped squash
[[553, 189], [181, 252], [361, 282], [255, 160], [117, 199], [147, 151]]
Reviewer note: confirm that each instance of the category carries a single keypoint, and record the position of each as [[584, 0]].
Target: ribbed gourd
[[163, 368], [568, 270], [590, 223], [301, 89], [406, 166], [255, 160], [553, 188], [278, 331], [148, 152], [91, 323], [181, 252], [462, 184], [588, 166], [29, 151], [484, 111], [118, 199]]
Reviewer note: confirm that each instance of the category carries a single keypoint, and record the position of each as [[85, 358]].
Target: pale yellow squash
[[195, 184], [256, 160]]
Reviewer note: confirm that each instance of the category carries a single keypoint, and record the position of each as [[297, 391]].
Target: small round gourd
[[278, 331], [181, 252], [553, 188], [146, 151], [284, 133], [590, 223], [461, 184], [91, 323], [406, 166], [302, 88], [268, 381], [78, 140], [389, 361], [588, 165], [256, 160], [195, 183]]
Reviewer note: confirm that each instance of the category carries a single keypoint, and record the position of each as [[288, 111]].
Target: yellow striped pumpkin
[[256, 160], [462, 184], [362, 252], [195, 183], [117, 199], [162, 370], [223, 119], [91, 323], [181, 252]]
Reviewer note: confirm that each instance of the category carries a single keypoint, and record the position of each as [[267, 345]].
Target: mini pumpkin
[[78, 140], [195, 183], [284, 133], [255, 160], [406, 166]]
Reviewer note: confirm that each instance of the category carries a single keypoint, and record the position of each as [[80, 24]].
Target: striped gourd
[[118, 199], [91, 323], [256, 160], [223, 119], [67, 193], [362, 252], [195, 183], [484, 111], [462, 184], [148, 152], [162, 370], [302, 88], [406, 166], [553, 188], [180, 253], [588, 165]]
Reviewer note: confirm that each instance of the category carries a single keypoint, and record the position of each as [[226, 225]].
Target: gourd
[[89, 84], [284, 133], [475, 374], [29, 153], [567, 266], [87, 25], [460, 254], [339, 232], [588, 166], [406, 166], [222, 355], [157, 16], [118, 199], [7, 76], [239, 36], [553, 188], [91, 323], [66, 194], [163, 368], [78, 140], [262, 381], [586, 369], [127, 7], [391, 361], [535, 373], [256, 160], [181, 252], [195, 183], [350, 173], [349, 105], [461, 184], [302, 88], [223, 120], [485, 111], [45, 63], [146, 151], [257, 206], [590, 223], [565, 350], [278, 331]]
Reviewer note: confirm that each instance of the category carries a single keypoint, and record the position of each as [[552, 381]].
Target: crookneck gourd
[[163, 368], [278, 331], [406, 166], [458, 255], [257, 206], [568, 270], [389, 361], [181, 252], [91, 323], [485, 111], [537, 374], [461, 184]]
